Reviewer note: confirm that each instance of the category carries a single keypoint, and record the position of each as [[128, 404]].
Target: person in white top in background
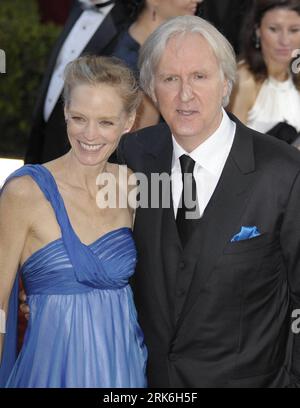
[[268, 91]]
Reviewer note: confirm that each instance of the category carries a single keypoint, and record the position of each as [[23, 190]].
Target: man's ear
[[225, 87], [153, 97], [130, 122], [66, 113]]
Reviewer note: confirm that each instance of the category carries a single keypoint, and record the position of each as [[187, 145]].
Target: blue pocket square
[[245, 233]]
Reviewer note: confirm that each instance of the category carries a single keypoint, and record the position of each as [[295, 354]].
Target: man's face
[[188, 89]]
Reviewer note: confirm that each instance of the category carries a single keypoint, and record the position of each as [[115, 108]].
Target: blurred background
[[28, 30]]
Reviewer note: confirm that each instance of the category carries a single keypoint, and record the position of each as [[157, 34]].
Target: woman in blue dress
[[75, 256]]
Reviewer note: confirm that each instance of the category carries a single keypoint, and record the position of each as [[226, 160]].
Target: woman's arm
[[15, 210]]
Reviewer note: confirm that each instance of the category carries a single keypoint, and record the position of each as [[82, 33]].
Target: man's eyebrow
[[165, 74]]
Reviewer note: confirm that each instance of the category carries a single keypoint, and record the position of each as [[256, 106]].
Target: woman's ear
[[257, 32], [257, 43]]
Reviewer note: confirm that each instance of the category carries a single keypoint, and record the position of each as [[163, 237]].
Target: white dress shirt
[[80, 35], [210, 158]]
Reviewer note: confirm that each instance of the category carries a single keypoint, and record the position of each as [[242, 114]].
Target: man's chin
[[186, 133]]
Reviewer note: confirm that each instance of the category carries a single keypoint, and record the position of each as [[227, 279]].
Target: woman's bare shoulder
[[246, 78], [22, 193]]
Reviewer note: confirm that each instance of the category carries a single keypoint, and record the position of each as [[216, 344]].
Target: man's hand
[[24, 308]]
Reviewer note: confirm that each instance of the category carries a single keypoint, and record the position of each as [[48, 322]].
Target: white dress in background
[[276, 102]]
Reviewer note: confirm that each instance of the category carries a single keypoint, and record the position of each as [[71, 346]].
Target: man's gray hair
[[152, 50]]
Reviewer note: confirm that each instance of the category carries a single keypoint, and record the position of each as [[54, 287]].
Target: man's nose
[[186, 92]]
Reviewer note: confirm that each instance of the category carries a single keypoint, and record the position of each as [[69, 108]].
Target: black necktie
[[188, 210]]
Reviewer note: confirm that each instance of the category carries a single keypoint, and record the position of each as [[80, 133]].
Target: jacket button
[[182, 265], [180, 292]]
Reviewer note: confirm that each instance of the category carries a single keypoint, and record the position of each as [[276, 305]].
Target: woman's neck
[[144, 25], [278, 71], [81, 176]]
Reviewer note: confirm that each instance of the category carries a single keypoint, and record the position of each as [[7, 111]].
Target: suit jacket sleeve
[[290, 242], [119, 156]]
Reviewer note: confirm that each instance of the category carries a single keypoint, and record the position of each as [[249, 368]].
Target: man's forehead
[[191, 50], [194, 38], [188, 45]]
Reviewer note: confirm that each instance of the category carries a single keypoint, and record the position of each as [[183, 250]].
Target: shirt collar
[[211, 153]]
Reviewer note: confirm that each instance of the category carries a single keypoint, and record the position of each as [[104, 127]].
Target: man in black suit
[[215, 294], [92, 27]]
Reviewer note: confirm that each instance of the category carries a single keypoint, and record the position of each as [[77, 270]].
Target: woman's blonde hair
[[94, 70]]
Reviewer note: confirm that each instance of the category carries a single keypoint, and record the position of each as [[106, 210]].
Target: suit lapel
[[222, 215], [75, 13], [157, 159], [110, 27], [108, 30]]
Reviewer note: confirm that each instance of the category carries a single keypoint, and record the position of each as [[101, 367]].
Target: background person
[[92, 28], [268, 92]]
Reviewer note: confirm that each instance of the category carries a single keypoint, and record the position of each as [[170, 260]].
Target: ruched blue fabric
[[83, 329]]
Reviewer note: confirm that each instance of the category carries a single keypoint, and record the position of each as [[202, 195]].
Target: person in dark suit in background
[[92, 27], [214, 294]]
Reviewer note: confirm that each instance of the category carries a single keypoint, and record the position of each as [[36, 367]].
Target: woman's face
[[279, 34], [173, 8], [96, 119]]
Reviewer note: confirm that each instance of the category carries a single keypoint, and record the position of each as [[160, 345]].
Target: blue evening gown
[[83, 329]]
